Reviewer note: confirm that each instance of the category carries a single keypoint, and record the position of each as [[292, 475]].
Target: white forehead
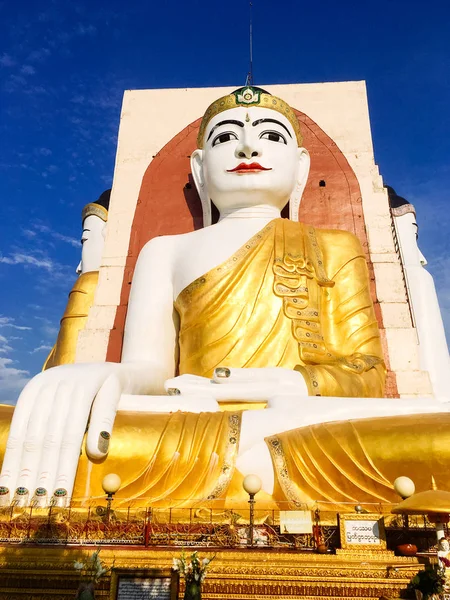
[[93, 223], [254, 114]]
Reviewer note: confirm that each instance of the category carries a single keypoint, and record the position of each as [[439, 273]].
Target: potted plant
[[429, 584], [194, 572], [91, 570]]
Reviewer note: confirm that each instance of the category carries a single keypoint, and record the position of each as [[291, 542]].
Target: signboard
[[144, 588], [148, 584], [362, 531], [295, 521]]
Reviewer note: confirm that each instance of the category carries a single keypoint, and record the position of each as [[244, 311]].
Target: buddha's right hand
[[49, 423]]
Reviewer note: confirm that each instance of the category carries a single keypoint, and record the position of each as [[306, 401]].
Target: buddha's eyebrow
[[271, 121], [85, 230], [229, 122]]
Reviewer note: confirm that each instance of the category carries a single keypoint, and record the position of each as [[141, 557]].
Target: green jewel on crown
[[248, 96], [4, 490], [21, 491], [60, 492], [40, 491]]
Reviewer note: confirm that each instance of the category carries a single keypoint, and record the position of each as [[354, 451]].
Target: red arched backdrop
[[168, 203]]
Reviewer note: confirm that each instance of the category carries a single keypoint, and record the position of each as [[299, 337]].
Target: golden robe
[[74, 319], [293, 296], [357, 461]]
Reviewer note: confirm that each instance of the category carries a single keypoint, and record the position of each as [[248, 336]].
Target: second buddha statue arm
[[151, 324], [353, 365]]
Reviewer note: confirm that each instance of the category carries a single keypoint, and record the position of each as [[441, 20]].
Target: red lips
[[243, 167]]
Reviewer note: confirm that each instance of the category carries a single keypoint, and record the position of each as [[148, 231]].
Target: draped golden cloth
[[167, 459], [357, 461], [74, 319], [293, 297], [175, 459], [183, 458]]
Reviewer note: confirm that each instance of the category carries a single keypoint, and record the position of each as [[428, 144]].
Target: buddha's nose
[[248, 148]]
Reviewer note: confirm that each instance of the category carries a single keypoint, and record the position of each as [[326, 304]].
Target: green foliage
[[92, 569], [430, 581], [192, 568]]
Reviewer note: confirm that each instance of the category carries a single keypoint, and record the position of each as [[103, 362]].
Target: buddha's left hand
[[250, 384]]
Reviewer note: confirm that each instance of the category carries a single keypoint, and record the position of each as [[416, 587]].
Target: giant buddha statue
[[252, 312], [81, 297]]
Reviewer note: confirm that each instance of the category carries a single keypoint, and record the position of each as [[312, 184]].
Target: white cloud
[[6, 60], [10, 322], [28, 70], [29, 233], [48, 329], [41, 228], [38, 55], [86, 29], [12, 380], [41, 347], [67, 239], [18, 258]]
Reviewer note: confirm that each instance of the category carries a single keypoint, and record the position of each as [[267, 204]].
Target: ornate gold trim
[[234, 575], [96, 210], [229, 461]]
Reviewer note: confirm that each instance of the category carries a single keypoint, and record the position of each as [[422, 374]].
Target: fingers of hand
[[102, 419], [17, 433], [278, 375], [233, 391], [34, 438], [48, 465], [80, 401]]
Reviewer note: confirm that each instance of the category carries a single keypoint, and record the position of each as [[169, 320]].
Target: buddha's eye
[[273, 136], [222, 138]]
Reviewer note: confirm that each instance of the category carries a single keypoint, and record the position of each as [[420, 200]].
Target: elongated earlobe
[[304, 162], [199, 180]]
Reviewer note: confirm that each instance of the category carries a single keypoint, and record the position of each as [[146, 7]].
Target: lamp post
[[252, 485], [434, 503], [110, 484], [404, 486]]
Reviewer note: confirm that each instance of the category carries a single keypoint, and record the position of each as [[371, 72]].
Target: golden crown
[[94, 209], [249, 96]]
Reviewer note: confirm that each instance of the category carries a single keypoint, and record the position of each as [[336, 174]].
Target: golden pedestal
[[38, 573]]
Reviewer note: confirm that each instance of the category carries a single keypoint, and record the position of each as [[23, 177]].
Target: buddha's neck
[[261, 211]]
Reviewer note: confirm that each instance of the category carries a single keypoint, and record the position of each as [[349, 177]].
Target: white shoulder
[[157, 244], [167, 243]]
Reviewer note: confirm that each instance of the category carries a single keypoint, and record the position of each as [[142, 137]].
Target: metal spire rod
[[249, 80]]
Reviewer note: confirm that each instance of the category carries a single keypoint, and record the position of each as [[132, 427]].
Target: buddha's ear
[[199, 179], [304, 162]]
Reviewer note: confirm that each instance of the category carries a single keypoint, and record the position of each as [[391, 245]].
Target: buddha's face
[[408, 235], [250, 157], [92, 242], [444, 546]]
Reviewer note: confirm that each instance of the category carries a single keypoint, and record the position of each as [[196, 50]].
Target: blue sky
[[63, 69]]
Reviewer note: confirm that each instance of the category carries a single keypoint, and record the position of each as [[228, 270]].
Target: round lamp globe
[[252, 484], [111, 483], [404, 486]]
